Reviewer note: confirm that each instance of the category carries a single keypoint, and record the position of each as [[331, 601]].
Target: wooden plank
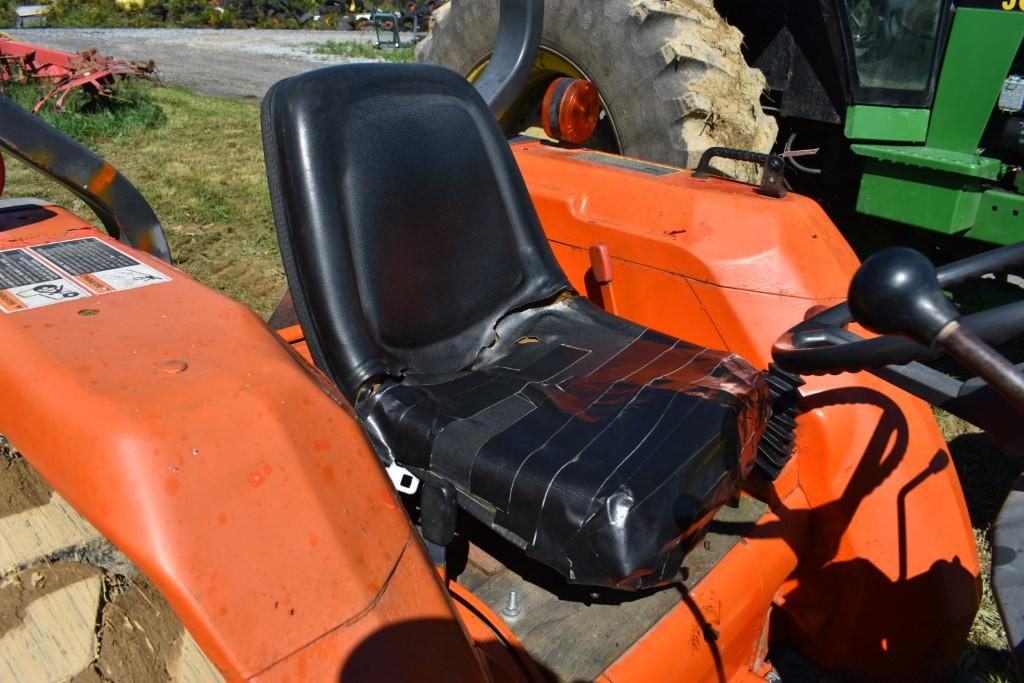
[[574, 637]]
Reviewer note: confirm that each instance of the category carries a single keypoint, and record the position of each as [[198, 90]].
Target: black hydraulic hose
[[994, 261]]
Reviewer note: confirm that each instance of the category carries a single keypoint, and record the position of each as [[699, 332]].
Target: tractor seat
[[428, 293]]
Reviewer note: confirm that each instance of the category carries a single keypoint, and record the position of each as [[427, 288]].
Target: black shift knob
[[895, 292]]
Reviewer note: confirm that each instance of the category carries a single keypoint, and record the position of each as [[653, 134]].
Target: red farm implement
[[65, 72]]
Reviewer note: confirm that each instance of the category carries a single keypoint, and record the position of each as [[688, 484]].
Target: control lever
[[896, 292]]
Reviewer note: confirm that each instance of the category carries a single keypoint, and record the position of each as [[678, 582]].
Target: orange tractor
[[525, 427]]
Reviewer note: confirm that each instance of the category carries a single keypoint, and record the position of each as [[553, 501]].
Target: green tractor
[[915, 107]]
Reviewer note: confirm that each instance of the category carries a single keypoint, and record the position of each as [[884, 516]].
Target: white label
[[131, 277], [27, 283], [49, 292]]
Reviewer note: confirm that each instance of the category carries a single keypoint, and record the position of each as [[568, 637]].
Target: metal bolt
[[511, 610]]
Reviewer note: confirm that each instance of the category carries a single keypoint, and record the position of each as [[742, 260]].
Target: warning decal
[[88, 255], [99, 265], [18, 268], [26, 282]]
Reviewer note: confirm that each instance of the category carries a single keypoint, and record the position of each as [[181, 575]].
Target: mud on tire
[[671, 72], [72, 607]]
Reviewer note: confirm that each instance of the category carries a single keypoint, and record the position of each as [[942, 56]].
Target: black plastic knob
[[896, 292]]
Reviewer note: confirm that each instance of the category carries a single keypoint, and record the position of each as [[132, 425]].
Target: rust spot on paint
[[222, 519], [102, 178], [321, 445], [256, 479], [146, 242], [171, 485]]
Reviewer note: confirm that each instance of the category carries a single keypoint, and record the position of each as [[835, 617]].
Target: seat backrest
[[405, 227]]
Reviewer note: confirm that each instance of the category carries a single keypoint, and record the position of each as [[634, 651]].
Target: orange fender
[[182, 428]]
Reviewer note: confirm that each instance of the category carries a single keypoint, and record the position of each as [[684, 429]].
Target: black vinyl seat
[[428, 293]]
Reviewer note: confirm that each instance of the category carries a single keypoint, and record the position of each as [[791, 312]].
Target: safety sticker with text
[[26, 282], [99, 265]]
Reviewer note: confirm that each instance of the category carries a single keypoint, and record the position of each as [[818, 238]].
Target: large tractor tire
[[74, 608], [671, 74]]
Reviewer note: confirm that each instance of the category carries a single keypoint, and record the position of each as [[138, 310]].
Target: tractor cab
[[895, 47], [932, 122]]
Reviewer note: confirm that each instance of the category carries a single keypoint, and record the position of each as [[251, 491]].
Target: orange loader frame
[[209, 449]]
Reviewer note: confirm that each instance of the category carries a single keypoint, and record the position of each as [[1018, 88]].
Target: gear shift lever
[[895, 292]]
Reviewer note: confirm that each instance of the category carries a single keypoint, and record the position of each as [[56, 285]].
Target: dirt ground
[[232, 63]]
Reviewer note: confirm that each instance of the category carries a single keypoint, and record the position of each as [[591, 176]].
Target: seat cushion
[[600, 447]]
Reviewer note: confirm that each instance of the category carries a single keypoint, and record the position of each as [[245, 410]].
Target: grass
[[89, 118], [986, 475], [162, 13], [202, 170], [364, 51], [175, 13]]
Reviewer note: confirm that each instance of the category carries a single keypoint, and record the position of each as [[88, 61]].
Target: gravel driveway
[[239, 64]]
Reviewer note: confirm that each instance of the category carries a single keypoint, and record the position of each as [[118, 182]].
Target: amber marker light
[[570, 110]]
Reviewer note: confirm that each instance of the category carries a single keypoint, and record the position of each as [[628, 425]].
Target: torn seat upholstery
[[427, 291]]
